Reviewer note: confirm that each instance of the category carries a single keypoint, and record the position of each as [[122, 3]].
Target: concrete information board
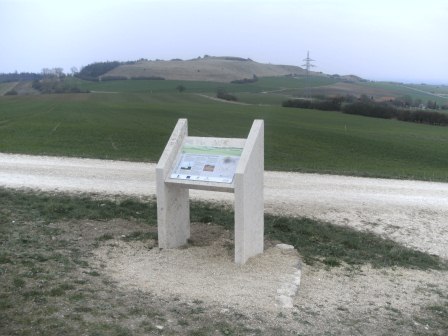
[[205, 163], [218, 164]]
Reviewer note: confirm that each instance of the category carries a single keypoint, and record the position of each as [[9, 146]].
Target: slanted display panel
[[207, 163]]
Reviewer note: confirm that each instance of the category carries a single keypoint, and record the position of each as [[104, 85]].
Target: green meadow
[[422, 92], [132, 120]]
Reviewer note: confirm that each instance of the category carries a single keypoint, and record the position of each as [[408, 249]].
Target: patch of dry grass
[[49, 286]]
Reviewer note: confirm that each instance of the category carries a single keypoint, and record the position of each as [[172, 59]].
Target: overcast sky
[[401, 40]]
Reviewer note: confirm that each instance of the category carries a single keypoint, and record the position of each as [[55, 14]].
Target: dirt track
[[411, 212]]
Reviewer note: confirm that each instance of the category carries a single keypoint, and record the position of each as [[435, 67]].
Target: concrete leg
[[173, 207], [173, 212], [249, 199], [249, 224]]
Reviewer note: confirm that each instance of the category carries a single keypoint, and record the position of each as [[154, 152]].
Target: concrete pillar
[[173, 207], [249, 200]]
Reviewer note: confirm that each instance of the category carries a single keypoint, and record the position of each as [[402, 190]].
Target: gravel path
[[340, 301], [411, 212]]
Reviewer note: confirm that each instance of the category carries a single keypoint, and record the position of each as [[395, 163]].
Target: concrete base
[[267, 282]]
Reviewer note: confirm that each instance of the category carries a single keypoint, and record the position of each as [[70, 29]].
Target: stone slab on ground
[[205, 272]]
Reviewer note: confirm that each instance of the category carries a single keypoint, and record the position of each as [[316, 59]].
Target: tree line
[[19, 77], [93, 71], [367, 107], [55, 85]]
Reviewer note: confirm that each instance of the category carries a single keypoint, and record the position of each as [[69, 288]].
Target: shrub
[[298, 103], [148, 78], [87, 78], [329, 104], [95, 70], [371, 109], [180, 88], [19, 77], [56, 86], [223, 94], [245, 80], [377, 110], [113, 78], [11, 93], [366, 107]]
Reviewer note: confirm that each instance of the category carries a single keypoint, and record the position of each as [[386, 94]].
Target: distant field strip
[[140, 118], [440, 95], [5, 87]]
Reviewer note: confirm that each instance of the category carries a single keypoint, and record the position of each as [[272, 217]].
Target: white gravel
[[411, 212], [207, 273]]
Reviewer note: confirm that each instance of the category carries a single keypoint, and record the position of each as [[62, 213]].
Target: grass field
[[136, 125], [50, 284], [423, 92], [169, 86]]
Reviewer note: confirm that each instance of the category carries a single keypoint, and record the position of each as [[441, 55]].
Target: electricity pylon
[[307, 66]]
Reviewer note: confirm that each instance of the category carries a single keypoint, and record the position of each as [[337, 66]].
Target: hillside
[[215, 69], [273, 85]]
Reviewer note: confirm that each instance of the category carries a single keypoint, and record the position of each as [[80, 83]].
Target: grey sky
[[402, 40]]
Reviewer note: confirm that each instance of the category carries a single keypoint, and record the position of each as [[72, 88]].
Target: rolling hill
[[229, 69], [207, 68], [263, 83]]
